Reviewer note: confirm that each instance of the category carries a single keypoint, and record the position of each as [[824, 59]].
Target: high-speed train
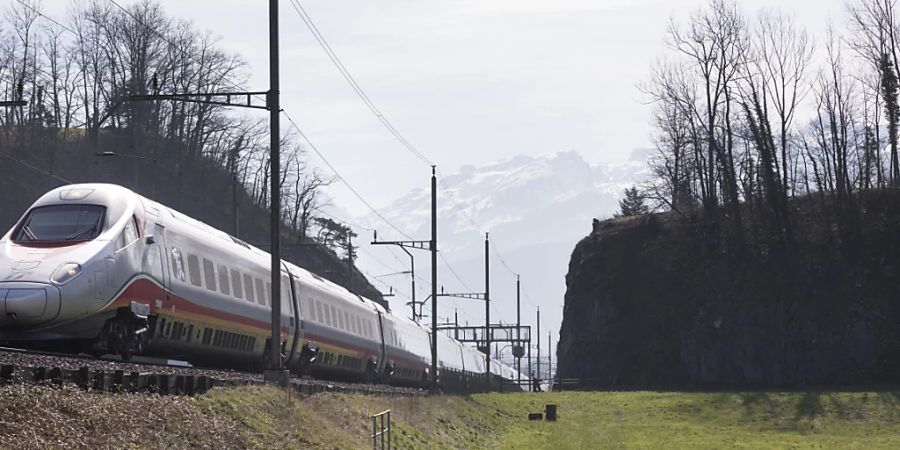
[[101, 269]]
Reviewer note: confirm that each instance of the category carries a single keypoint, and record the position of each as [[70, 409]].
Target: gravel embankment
[[25, 360]]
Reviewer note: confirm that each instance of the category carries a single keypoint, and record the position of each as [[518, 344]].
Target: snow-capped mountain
[[535, 207]]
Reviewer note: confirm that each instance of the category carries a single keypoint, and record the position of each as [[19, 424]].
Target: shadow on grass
[[810, 406]]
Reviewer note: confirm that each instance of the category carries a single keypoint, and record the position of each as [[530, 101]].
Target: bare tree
[[784, 55]]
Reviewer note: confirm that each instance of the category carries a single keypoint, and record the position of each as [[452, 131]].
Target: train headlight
[[66, 273]]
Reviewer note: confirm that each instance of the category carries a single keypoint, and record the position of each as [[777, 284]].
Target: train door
[[382, 359], [293, 291], [153, 261]]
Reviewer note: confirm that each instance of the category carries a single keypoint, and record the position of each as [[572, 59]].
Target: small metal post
[[538, 340]]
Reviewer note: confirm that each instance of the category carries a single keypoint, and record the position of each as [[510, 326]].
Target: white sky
[[467, 81]]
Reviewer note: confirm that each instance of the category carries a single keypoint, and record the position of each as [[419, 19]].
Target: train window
[[177, 264], [236, 284], [129, 234], [260, 292], [207, 336], [194, 269], [340, 320], [327, 315], [286, 296], [347, 321], [321, 318], [269, 294], [248, 288], [334, 316], [224, 284], [190, 332], [369, 329], [354, 324], [209, 272], [59, 223]]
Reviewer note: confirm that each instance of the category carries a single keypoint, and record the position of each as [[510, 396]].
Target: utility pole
[[434, 279], [456, 324], [232, 167], [412, 276], [275, 372], [538, 343], [430, 245], [549, 358], [518, 326], [487, 307], [530, 373]]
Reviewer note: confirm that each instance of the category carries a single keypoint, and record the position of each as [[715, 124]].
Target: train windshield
[[61, 223]]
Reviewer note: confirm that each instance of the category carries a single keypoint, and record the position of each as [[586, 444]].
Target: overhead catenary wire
[[340, 177], [370, 104], [46, 17], [31, 166], [314, 30]]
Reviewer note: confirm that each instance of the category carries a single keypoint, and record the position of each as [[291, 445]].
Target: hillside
[[661, 301], [154, 167]]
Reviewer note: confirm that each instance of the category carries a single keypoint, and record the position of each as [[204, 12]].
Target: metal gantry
[[405, 245]]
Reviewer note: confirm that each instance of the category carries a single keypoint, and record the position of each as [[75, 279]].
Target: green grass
[[703, 420], [265, 417]]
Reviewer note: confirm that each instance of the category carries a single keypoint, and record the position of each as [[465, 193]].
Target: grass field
[[266, 417], [839, 420]]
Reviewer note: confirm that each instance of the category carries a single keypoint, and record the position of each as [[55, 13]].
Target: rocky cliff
[[656, 301]]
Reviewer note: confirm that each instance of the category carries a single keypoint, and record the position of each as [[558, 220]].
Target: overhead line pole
[[275, 369], [434, 279], [487, 307], [549, 359], [538, 340], [518, 325], [275, 372], [430, 245]]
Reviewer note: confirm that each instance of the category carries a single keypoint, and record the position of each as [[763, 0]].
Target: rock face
[[653, 302]]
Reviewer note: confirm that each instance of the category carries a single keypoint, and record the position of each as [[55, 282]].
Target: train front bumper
[[25, 305]]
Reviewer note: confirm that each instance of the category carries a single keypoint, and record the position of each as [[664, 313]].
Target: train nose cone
[[27, 304]]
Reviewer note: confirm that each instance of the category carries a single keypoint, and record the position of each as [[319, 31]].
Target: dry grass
[[42, 417]]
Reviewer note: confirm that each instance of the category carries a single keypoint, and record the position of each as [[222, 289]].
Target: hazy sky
[[467, 81]]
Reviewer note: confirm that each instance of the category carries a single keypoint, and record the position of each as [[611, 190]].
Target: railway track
[[167, 377]]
